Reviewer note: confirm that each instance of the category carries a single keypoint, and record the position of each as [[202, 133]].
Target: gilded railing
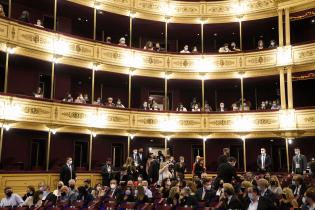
[[56, 114], [191, 12], [43, 44]]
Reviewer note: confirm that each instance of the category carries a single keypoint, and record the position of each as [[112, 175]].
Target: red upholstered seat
[[164, 207]]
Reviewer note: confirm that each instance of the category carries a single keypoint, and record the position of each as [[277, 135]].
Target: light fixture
[[202, 76], [243, 138], [168, 138], [6, 126], [290, 141], [131, 136], [240, 8], [202, 21], [150, 149], [204, 139], [132, 14], [55, 59], [168, 9], [95, 66], [53, 131], [94, 134], [167, 19], [10, 49], [241, 75]]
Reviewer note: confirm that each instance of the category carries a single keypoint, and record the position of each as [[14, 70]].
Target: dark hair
[[32, 188], [310, 193], [36, 196], [82, 190], [231, 159], [7, 188], [256, 190]]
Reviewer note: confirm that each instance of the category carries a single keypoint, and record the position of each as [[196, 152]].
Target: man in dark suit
[[229, 200], [107, 172], [258, 202], [224, 157], [135, 157], [299, 162], [227, 171], [263, 161], [262, 185], [142, 164], [153, 171], [298, 187], [114, 193], [206, 193], [67, 171]]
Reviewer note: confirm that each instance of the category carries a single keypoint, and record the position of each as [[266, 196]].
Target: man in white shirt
[[147, 191], [10, 199], [258, 202]]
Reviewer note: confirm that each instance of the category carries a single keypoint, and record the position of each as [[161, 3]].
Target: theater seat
[[164, 207]]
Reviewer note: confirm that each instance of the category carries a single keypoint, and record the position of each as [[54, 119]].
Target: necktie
[[70, 171], [203, 194], [263, 161]]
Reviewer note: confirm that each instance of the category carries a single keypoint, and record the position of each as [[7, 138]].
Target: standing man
[[106, 172], [142, 163], [135, 157], [299, 162], [263, 161], [67, 171], [223, 158]]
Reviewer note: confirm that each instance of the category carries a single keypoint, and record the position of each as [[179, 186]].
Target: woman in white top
[[164, 172], [57, 192]]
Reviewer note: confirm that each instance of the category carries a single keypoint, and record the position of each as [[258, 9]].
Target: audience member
[[181, 108], [299, 162], [25, 16], [80, 99], [39, 93], [10, 199], [258, 202], [67, 171], [272, 44], [119, 104], [39, 24], [264, 161], [122, 42], [2, 13], [185, 50], [149, 46], [68, 98], [224, 48], [109, 102], [260, 44], [108, 40]]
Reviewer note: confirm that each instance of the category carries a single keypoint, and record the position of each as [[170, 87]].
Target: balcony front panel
[[35, 39]]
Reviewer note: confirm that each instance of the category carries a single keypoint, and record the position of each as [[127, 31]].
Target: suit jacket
[[222, 159], [209, 196], [269, 195], [302, 161], [226, 172], [234, 203], [66, 174], [302, 189], [105, 171], [116, 195], [267, 162], [153, 171], [264, 204]]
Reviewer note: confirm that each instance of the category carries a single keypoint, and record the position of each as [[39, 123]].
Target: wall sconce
[[53, 131], [132, 14], [10, 48], [131, 136], [55, 59]]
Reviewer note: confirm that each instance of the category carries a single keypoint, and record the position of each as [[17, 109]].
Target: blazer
[[264, 204], [302, 161], [226, 172], [234, 203], [269, 195], [209, 196], [66, 174], [267, 162]]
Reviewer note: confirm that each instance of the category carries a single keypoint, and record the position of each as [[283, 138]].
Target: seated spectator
[[39, 24], [260, 45], [186, 198], [275, 186], [224, 48], [98, 191], [199, 167], [229, 200], [68, 98], [262, 185], [288, 201], [309, 199], [2, 13], [72, 187], [98, 101], [147, 191], [298, 187], [246, 106], [114, 193], [157, 47], [196, 108], [119, 104], [39, 93], [80, 99], [234, 48], [258, 202], [165, 187], [122, 42], [10, 199], [87, 185], [221, 107], [173, 198], [263, 105], [108, 40], [155, 106], [85, 196], [206, 193], [29, 192], [29, 196], [141, 197], [129, 195], [235, 107], [275, 106], [148, 46], [44, 188], [185, 50], [243, 193], [181, 108], [145, 105], [272, 44], [57, 192], [86, 98], [67, 195], [25, 16], [38, 199], [208, 108], [195, 50], [109, 102]]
